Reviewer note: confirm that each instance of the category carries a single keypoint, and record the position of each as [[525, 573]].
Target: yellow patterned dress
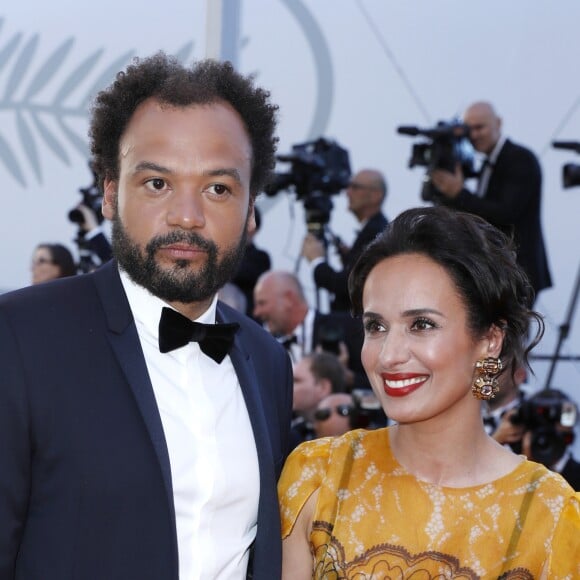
[[373, 519]]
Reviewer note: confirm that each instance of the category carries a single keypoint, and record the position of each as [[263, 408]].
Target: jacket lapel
[[268, 522], [125, 343]]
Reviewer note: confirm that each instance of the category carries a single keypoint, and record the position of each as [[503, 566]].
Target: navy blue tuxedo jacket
[[85, 481]]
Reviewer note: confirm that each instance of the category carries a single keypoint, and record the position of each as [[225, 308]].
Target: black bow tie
[[175, 330]]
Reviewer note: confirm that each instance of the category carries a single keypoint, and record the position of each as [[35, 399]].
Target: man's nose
[[186, 209]]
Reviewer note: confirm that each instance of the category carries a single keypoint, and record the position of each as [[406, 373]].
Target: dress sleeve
[[302, 475], [565, 556]]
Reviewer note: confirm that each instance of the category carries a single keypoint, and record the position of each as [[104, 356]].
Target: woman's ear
[[494, 339]]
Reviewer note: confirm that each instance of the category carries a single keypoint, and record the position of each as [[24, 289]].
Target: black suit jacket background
[[336, 282], [512, 203]]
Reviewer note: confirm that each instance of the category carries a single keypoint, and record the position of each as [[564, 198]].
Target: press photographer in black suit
[[508, 193], [366, 193]]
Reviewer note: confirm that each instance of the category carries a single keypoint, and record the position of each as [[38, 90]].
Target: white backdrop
[[351, 70]]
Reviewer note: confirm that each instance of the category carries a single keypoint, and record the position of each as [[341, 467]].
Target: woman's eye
[[423, 324], [373, 326]]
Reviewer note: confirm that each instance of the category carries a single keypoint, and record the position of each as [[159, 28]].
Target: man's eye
[[218, 188], [156, 184]]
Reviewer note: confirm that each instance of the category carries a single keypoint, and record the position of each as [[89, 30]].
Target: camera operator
[[508, 193], [366, 193]]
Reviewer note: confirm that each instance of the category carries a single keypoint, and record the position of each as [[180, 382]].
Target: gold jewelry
[[485, 386]]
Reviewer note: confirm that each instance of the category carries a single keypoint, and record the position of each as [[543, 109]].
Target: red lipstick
[[402, 384]]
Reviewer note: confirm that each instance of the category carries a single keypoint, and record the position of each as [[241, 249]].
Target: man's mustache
[[189, 238]]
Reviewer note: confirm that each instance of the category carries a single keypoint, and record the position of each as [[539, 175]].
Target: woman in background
[[445, 311], [51, 261]]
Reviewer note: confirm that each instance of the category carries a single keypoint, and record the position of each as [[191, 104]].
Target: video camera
[[447, 146], [318, 170], [543, 414], [570, 171]]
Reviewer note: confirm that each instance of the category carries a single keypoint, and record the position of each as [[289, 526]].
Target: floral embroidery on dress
[[374, 520]]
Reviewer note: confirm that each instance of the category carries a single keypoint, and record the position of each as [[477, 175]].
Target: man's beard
[[176, 284]]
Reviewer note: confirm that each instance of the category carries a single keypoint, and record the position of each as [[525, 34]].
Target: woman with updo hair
[[445, 311], [51, 261]]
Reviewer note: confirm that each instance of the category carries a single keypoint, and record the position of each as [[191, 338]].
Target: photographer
[[549, 418], [316, 376], [93, 246], [508, 194], [333, 415], [280, 304], [366, 193], [91, 233]]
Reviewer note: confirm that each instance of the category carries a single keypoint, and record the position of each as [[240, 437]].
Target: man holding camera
[[366, 193], [508, 194]]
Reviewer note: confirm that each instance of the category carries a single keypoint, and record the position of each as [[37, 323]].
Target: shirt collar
[[492, 157], [146, 307]]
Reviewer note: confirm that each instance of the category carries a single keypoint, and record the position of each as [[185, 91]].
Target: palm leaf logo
[[48, 123]]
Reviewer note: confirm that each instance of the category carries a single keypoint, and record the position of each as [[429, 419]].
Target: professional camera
[[92, 197], [318, 170], [446, 146], [570, 171], [368, 412], [551, 417]]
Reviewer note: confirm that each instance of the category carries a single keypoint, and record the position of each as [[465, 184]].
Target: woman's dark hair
[[162, 77], [481, 261], [62, 258]]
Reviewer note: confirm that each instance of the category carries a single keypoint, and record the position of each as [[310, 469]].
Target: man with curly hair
[[144, 423]]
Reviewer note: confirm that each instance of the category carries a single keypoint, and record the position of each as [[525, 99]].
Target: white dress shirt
[[212, 451], [303, 335]]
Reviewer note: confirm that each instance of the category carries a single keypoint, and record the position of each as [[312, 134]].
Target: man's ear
[[109, 202], [251, 221]]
